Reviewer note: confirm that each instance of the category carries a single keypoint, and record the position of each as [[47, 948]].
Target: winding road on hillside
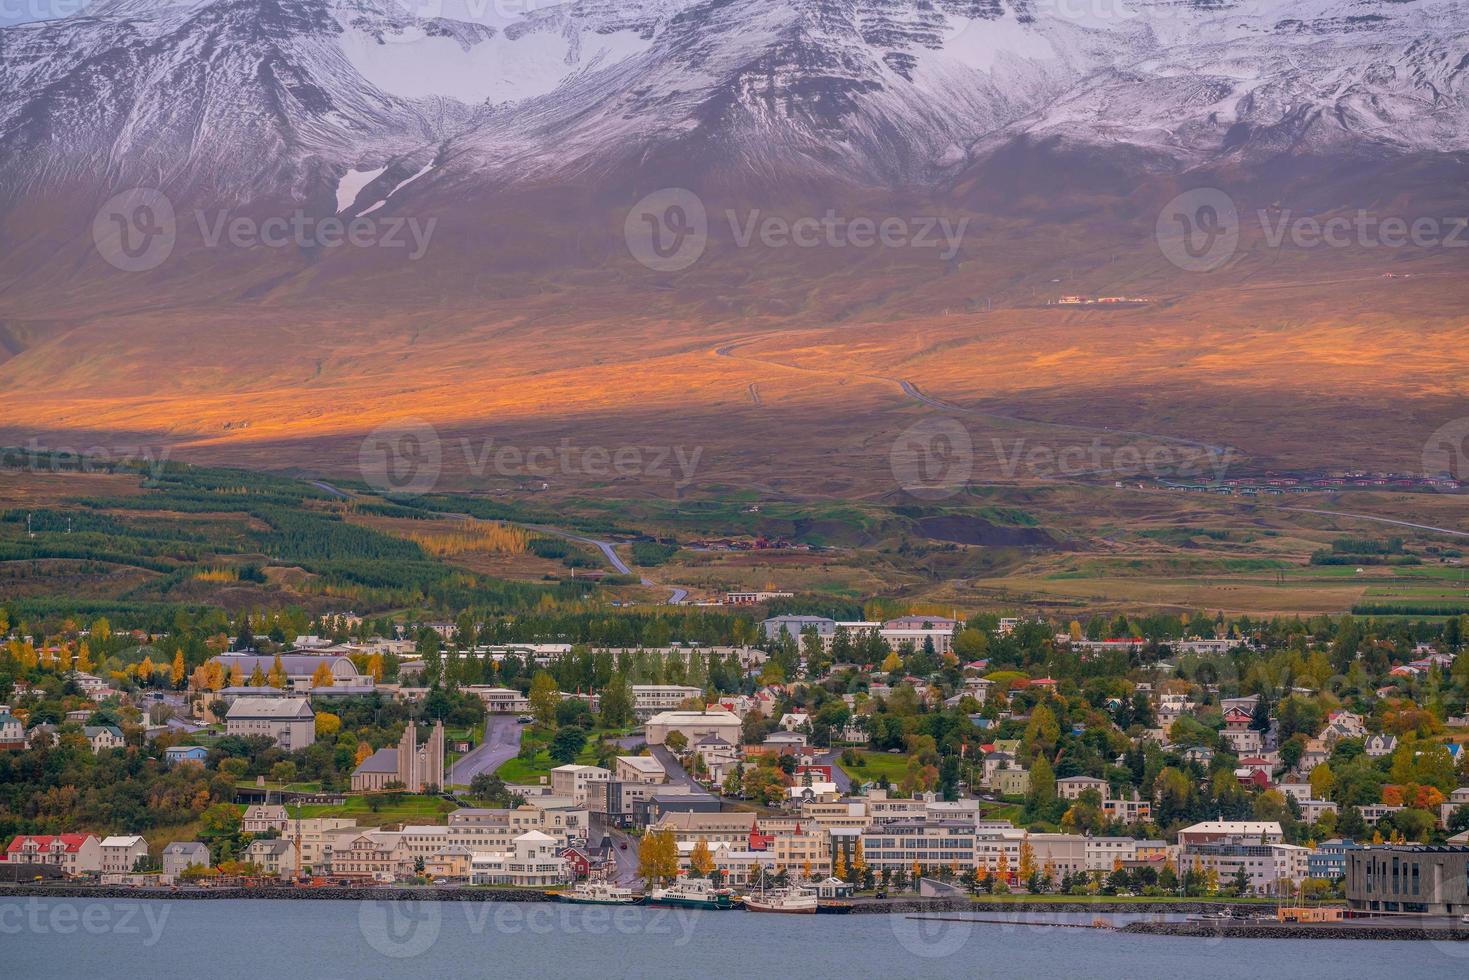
[[501, 744], [676, 594]]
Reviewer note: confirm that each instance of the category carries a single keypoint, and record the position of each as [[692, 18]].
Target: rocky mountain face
[[237, 100]]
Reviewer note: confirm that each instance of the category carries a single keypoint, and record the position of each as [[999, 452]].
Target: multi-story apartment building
[[484, 829], [75, 854], [901, 844], [651, 699], [573, 781]]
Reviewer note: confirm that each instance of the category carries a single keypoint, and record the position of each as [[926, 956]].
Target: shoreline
[[907, 905], [1351, 929]]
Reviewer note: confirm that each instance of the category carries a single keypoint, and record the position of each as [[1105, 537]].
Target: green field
[[407, 809], [875, 765]]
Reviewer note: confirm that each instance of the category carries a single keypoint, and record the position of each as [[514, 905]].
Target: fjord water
[[43, 938]]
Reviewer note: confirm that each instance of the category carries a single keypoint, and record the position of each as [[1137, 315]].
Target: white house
[[120, 854]]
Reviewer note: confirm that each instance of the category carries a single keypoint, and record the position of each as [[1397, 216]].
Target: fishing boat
[[599, 893], [795, 900], [692, 893]]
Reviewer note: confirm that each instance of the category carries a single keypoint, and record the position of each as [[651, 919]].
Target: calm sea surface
[[256, 940]]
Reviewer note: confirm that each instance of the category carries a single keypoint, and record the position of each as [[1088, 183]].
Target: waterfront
[[46, 938]]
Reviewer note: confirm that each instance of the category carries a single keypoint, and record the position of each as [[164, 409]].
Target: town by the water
[[823, 767]]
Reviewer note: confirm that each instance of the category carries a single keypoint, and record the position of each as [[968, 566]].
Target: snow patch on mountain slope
[[398, 187], [351, 185], [498, 69]]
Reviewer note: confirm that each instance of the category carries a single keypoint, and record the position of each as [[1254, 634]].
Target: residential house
[[1377, 746], [1343, 724], [12, 732], [275, 857], [175, 754], [103, 737], [1238, 734], [382, 855], [121, 853], [453, 862], [181, 855], [262, 818], [74, 854]]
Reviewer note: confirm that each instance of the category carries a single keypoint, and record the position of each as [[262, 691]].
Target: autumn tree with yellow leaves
[[701, 862]]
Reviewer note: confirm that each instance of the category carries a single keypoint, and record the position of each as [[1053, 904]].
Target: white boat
[[692, 893], [795, 900], [599, 893]]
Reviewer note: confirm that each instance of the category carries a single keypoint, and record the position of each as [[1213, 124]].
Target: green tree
[[567, 744], [617, 702]]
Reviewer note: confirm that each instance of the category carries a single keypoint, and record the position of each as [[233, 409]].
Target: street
[[502, 742]]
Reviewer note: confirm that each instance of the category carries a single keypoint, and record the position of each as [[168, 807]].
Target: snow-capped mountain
[[345, 102]]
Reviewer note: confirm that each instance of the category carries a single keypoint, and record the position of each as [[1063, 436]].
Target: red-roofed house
[[75, 854]]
